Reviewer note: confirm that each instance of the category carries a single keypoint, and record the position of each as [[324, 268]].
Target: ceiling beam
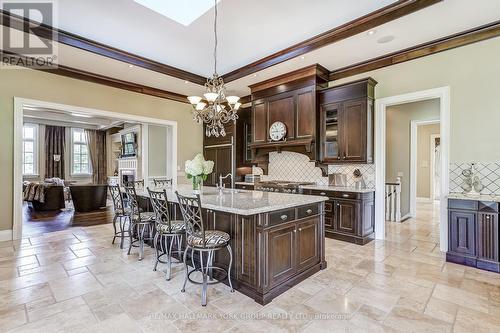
[[463, 38], [96, 78], [67, 38], [364, 23]]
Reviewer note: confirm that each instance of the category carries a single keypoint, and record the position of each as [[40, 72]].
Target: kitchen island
[[277, 239]]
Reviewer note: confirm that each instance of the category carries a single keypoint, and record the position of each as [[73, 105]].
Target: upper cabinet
[[346, 123], [292, 100]]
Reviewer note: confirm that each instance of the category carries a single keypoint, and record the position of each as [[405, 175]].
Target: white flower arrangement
[[198, 167]]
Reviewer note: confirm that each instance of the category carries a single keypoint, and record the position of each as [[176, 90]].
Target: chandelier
[[216, 109]]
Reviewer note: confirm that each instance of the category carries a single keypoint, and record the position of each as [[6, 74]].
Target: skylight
[[184, 12]]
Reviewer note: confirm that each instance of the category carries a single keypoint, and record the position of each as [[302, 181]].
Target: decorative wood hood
[[292, 100]]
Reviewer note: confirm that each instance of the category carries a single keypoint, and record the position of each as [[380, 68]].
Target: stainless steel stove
[[282, 186]]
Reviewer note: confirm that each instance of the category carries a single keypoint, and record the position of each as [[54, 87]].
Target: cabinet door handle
[[345, 195], [284, 217], [309, 211], [322, 193]]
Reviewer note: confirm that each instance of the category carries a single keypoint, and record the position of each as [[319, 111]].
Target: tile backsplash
[[488, 172], [297, 167]]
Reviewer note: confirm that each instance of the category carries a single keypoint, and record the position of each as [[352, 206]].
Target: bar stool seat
[[213, 238], [144, 217]]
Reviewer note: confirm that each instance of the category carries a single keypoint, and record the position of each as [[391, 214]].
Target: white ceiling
[[250, 30]]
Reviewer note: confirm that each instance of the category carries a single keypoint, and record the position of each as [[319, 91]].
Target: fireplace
[[127, 176]]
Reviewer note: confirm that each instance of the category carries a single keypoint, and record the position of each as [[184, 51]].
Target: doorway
[[443, 94], [146, 124]]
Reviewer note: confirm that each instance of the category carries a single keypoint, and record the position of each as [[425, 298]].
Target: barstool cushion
[[145, 217], [213, 238], [177, 227]]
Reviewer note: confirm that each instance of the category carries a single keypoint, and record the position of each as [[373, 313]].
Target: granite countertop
[[242, 202], [482, 197], [337, 188]]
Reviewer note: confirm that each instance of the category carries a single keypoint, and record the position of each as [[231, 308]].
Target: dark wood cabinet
[[307, 243], [292, 100], [222, 157], [259, 123], [346, 215], [305, 120], [463, 233], [349, 216], [474, 234], [282, 261], [282, 108], [346, 123]]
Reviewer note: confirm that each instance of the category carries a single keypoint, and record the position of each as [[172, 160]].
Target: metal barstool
[[140, 220], [204, 241], [122, 213], [162, 182], [167, 231]]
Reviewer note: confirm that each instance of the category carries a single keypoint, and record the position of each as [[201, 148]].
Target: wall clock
[[277, 131]]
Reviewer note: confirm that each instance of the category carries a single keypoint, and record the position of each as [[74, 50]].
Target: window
[[80, 161], [30, 149]]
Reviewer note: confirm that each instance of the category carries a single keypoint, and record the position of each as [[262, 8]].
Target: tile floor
[[75, 280]]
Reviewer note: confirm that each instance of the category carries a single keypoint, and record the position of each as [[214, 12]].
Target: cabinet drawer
[[347, 195], [244, 187], [307, 211], [321, 193], [462, 204], [281, 216]]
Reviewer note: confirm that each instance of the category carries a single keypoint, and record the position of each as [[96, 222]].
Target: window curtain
[[55, 141], [96, 142]]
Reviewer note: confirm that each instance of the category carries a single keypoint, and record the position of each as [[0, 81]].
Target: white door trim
[[433, 165], [443, 93], [413, 161], [19, 104]]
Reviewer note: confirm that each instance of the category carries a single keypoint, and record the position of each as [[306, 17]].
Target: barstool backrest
[[162, 182], [191, 212], [117, 197], [160, 204], [132, 201]]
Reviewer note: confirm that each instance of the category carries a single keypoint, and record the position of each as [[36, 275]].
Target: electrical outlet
[[400, 173]]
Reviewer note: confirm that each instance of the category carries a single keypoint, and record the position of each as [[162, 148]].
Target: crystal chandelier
[[215, 109]]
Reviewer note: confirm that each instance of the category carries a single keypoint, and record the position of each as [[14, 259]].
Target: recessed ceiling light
[[186, 82], [302, 57], [130, 66], [184, 12], [255, 75], [371, 32], [81, 115], [385, 39]]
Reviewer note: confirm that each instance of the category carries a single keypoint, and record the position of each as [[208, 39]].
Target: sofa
[[87, 198]]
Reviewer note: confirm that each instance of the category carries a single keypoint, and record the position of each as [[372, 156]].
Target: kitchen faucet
[[221, 178]]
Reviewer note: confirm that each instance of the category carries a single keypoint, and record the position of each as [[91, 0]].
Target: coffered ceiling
[[249, 31]]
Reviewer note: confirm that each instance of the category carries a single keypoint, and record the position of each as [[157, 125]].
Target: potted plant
[[198, 170]]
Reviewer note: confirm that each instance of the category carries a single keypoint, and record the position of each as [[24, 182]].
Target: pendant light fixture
[[215, 109]]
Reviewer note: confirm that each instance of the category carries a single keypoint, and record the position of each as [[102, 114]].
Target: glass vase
[[197, 184]]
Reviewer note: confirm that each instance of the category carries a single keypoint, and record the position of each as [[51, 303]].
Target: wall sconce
[[57, 158]]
